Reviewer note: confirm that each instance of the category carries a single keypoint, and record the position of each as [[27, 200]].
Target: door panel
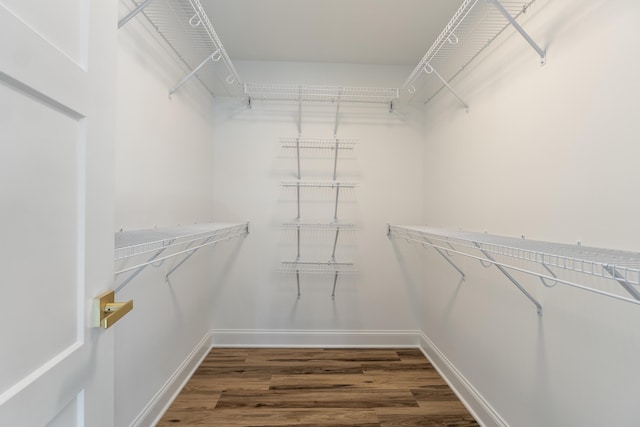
[[57, 79], [40, 183]]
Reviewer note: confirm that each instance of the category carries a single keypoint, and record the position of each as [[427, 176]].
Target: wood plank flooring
[[316, 387]]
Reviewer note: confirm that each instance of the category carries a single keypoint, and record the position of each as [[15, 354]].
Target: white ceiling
[[389, 32]]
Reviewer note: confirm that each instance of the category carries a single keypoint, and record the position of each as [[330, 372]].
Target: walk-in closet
[[319, 212]]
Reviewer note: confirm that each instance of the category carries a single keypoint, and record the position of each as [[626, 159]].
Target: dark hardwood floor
[[316, 387]]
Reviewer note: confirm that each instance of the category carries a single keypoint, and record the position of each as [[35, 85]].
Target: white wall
[[163, 178], [549, 153], [249, 167]]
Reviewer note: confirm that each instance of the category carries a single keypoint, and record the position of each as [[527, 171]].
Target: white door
[[57, 84]]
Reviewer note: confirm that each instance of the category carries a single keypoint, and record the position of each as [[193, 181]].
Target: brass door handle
[[106, 311]]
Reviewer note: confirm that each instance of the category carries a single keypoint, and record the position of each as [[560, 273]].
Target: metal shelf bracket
[[511, 278], [428, 69], [133, 13], [518, 27], [215, 56]]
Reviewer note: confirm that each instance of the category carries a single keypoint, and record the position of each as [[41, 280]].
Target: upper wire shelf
[[306, 143], [472, 29], [621, 266], [289, 92], [186, 28]]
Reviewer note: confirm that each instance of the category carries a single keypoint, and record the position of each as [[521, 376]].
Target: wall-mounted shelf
[[136, 249], [318, 267], [319, 93], [330, 144], [300, 184], [472, 29], [619, 266], [186, 28]]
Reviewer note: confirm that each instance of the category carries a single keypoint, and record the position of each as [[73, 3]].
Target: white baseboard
[[152, 413], [482, 411], [315, 338]]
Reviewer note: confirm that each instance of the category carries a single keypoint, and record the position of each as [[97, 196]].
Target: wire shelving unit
[[320, 93], [186, 28], [137, 249], [621, 267], [475, 25]]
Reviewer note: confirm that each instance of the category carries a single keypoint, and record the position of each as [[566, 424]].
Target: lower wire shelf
[[137, 249], [622, 267], [318, 267]]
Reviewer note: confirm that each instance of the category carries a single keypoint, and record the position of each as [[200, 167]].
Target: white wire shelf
[[319, 227], [320, 93], [620, 266], [475, 25], [318, 184], [318, 267], [186, 28], [332, 144], [136, 249]]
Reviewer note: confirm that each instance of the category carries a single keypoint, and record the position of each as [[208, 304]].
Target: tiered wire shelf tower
[[328, 266]]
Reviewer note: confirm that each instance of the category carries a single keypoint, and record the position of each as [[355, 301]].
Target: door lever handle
[[106, 311]]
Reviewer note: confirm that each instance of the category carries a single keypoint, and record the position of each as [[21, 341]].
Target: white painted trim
[[152, 413], [482, 411], [313, 338]]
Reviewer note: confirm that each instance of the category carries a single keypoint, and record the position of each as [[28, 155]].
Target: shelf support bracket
[[523, 33], [446, 258], [623, 282], [215, 56], [298, 282], [335, 281], [139, 270], [133, 13], [189, 255], [511, 278], [430, 70]]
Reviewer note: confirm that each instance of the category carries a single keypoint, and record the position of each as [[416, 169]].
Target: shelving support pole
[[429, 69], [192, 73], [335, 281], [510, 277], [521, 30], [298, 193], [183, 260], [298, 233], [335, 128], [620, 279], [446, 258], [133, 13], [300, 111], [298, 157], [298, 282], [335, 243], [335, 211], [335, 160]]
